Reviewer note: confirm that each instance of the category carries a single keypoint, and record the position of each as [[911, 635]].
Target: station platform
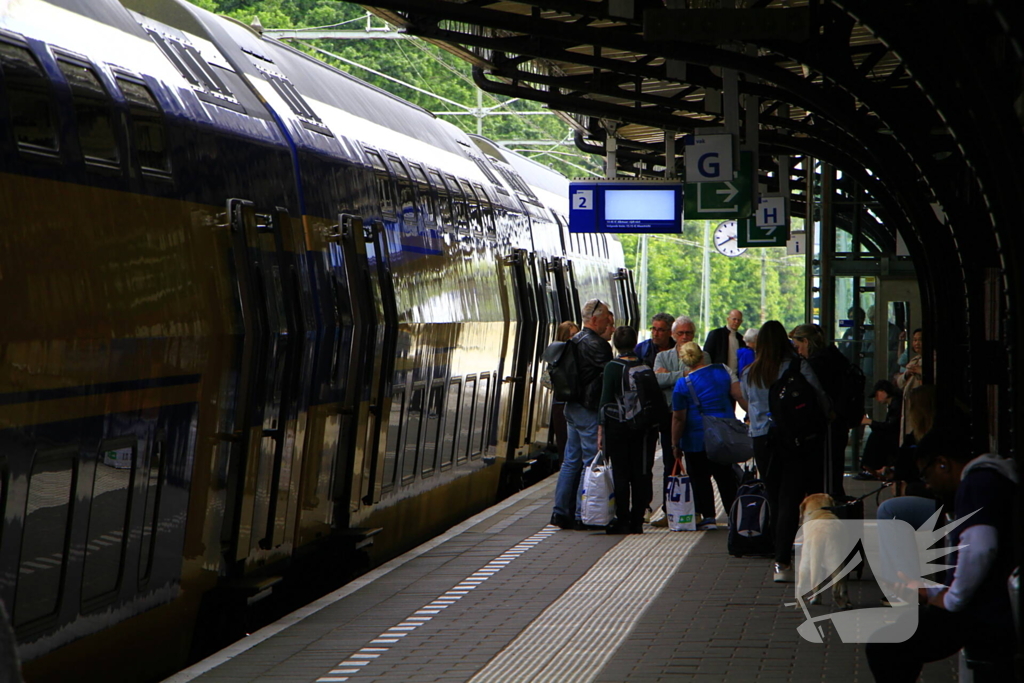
[[505, 597]]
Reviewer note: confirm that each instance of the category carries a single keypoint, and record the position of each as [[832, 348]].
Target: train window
[[451, 423], [394, 436], [148, 133], [413, 422], [462, 448], [480, 415], [28, 95], [459, 209], [472, 206], [428, 205], [108, 520], [406, 195], [44, 540], [443, 200], [93, 114], [153, 486], [486, 210], [486, 169], [383, 180], [432, 428]]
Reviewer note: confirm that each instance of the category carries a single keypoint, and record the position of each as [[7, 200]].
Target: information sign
[[796, 245], [752, 235], [626, 206], [771, 211], [708, 158], [725, 200]]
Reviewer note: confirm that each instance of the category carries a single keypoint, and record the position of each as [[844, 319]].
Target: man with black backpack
[[632, 410], [590, 352]]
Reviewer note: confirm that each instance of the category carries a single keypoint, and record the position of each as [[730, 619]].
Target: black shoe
[[562, 522], [617, 528], [636, 527]]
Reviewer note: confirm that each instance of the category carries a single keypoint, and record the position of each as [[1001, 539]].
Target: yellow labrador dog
[[822, 552]]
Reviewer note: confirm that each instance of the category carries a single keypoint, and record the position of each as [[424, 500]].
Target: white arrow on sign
[[771, 230], [729, 193]]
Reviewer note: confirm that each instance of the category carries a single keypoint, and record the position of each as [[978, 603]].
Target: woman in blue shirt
[[714, 389]]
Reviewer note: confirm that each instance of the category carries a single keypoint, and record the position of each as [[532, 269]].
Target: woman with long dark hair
[[790, 473]]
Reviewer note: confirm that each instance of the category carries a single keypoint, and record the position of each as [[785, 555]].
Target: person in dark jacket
[[592, 353], [884, 440], [829, 365], [723, 343], [661, 339], [631, 451]]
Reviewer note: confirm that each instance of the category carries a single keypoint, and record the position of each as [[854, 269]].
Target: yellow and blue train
[[255, 312]]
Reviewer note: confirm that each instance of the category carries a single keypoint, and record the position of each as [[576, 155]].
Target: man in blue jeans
[[592, 353]]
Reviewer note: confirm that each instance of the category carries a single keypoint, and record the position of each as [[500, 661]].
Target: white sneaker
[[659, 518], [783, 573]]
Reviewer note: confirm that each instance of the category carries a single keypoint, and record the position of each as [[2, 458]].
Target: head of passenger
[[692, 355], [884, 391], [856, 314], [916, 344], [661, 330], [566, 331], [750, 338], [599, 318], [773, 348], [624, 339], [921, 413], [941, 456], [807, 340], [683, 329], [734, 320]]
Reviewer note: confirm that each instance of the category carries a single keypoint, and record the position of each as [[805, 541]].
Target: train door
[[524, 303], [558, 268], [252, 477], [372, 270], [540, 405]]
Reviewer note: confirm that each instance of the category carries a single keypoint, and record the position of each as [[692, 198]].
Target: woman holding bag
[[631, 452], [706, 390]]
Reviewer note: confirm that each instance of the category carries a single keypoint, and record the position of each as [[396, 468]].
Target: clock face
[[725, 239]]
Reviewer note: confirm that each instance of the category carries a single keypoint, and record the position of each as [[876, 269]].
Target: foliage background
[[674, 263]]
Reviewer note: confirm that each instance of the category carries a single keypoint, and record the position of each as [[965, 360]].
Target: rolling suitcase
[[750, 519]]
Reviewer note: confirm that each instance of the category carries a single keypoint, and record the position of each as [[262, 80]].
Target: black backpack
[[797, 419], [562, 370], [850, 402], [750, 519], [640, 404]]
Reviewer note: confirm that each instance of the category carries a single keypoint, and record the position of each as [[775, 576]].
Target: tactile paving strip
[[358, 661]]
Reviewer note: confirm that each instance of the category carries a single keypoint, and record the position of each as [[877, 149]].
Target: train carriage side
[[144, 315], [414, 226]]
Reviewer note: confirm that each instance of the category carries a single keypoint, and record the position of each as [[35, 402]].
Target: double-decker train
[[256, 313]]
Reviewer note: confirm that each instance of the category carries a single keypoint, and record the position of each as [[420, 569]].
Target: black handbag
[[725, 438]]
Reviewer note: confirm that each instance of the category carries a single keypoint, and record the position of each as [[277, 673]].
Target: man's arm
[[979, 547]]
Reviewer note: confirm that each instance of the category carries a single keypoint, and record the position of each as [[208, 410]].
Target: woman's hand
[[866, 420]]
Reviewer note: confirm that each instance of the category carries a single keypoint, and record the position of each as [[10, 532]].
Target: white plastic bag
[[597, 507], [679, 507]]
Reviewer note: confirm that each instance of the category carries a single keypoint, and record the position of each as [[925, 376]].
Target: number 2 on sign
[[583, 200]]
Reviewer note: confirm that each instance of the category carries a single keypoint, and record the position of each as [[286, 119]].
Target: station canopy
[[877, 90]]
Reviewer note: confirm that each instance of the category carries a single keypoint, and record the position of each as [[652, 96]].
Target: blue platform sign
[[626, 206]]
